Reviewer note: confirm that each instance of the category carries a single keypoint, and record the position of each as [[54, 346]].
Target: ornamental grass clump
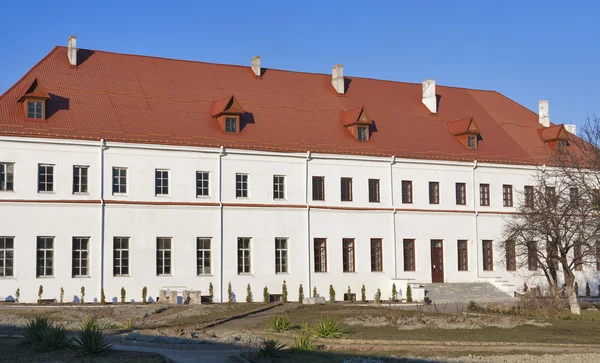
[[269, 348], [90, 337], [55, 337], [304, 342], [35, 329], [328, 328], [279, 323]]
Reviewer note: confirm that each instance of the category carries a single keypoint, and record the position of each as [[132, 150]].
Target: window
[[346, 189], [80, 179], [278, 187], [318, 186], [596, 198], [511, 256], [45, 178], [574, 196], [578, 257], [529, 192], [484, 195], [376, 255], [203, 266], [320, 255], [551, 197], [45, 256], [597, 255], [80, 256], [532, 262], [374, 190], [202, 178], [35, 109], [407, 192], [163, 256], [461, 193], [409, 254], [121, 256], [241, 185], [507, 195], [7, 245], [281, 255], [362, 133], [488, 256], [230, 124], [463, 255], [7, 175], [119, 180], [472, 142], [561, 146], [348, 254], [243, 255], [162, 182], [434, 193]]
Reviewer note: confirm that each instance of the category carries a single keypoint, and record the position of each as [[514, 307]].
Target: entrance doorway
[[437, 260]]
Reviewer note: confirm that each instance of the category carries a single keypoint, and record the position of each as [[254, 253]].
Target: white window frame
[[159, 182], [7, 171], [48, 185], [202, 184], [203, 254], [80, 257], [78, 179], [117, 183], [241, 186], [118, 255], [35, 109], [362, 133], [244, 253], [281, 255], [229, 127], [4, 258], [165, 255], [45, 251], [278, 187]]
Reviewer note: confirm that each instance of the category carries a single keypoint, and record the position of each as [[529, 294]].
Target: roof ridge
[[29, 72]]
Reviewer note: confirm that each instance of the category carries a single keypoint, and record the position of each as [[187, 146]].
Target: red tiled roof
[[554, 132], [129, 98]]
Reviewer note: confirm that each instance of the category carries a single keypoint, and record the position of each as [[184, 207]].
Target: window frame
[[510, 255], [281, 255], [529, 196], [374, 190], [472, 142], [36, 109], [461, 193], [78, 262], [462, 249], [561, 146], [118, 252], [279, 187], [488, 254], [532, 262], [318, 188], [164, 256], [162, 183], [7, 177], [408, 249], [7, 255], [484, 195], [346, 189], [241, 185], [376, 255], [48, 185], [507, 195], [362, 133], [434, 192], [202, 184], [244, 254], [228, 120], [320, 251], [407, 191], [116, 180], [44, 251], [348, 255], [203, 254], [80, 181]]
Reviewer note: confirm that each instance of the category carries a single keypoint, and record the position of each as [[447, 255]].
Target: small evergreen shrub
[[144, 294], [525, 287], [62, 294], [331, 293], [40, 292], [394, 293], [123, 295], [329, 328], [472, 306], [300, 294], [229, 293], [82, 294], [408, 293], [102, 297], [35, 329], [279, 323], [284, 293], [588, 291], [266, 294], [349, 294], [378, 296], [315, 291], [270, 348], [598, 292], [248, 294], [55, 337], [211, 292], [576, 287], [18, 294], [127, 325], [363, 294]]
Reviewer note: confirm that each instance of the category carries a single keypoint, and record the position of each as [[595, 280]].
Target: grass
[[14, 351]]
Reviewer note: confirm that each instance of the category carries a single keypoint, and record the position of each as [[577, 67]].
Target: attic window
[[472, 142], [227, 112], [465, 131], [362, 133], [556, 137], [35, 109], [358, 122], [231, 124], [562, 146], [34, 101]]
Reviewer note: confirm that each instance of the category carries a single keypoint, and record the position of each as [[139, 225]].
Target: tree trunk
[[572, 294]]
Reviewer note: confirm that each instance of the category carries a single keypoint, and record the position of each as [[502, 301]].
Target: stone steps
[[464, 292]]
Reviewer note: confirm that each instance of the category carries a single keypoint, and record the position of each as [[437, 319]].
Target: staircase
[[479, 292]]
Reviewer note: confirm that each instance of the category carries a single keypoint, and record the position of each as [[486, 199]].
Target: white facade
[[141, 215]]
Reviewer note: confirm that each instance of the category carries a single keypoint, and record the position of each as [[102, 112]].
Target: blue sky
[[527, 50]]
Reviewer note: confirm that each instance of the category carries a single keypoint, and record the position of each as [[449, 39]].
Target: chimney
[[256, 65], [337, 78], [572, 129], [429, 97], [72, 52], [543, 114]]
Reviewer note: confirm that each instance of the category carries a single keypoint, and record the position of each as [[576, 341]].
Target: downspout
[[477, 255], [221, 224], [392, 162], [102, 213], [306, 178]]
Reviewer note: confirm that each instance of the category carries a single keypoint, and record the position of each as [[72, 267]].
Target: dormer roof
[[463, 126], [356, 116], [554, 133], [35, 91], [227, 106]]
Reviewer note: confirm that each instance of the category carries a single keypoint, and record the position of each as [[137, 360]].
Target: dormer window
[[227, 112], [362, 133], [556, 137], [472, 142], [34, 101], [466, 132], [231, 124], [562, 146], [358, 122], [35, 109]]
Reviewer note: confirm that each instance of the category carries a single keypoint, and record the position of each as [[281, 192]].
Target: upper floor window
[[7, 175], [278, 187], [45, 178], [374, 190], [202, 178], [362, 133], [407, 191], [529, 192], [318, 187], [35, 109], [241, 185], [551, 197], [507, 195], [80, 179], [472, 142], [346, 189], [434, 193], [461, 193], [162, 181], [231, 124], [119, 180], [574, 195], [484, 194]]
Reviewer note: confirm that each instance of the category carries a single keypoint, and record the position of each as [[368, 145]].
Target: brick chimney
[[337, 78], [544, 114], [429, 96], [256, 65], [72, 52]]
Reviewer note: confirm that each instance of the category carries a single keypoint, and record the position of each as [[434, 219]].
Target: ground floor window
[[243, 255], [163, 256], [409, 254], [203, 266], [45, 256], [320, 255], [281, 255], [463, 254], [121, 256], [7, 256], [376, 255], [80, 256], [511, 256], [488, 256]]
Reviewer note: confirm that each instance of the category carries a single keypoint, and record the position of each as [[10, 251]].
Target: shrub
[[300, 294], [248, 294], [18, 293], [229, 293], [525, 287], [279, 323], [62, 294], [102, 297], [211, 292], [315, 291], [304, 342], [89, 322], [472, 306], [327, 327], [55, 337], [363, 294], [598, 293], [284, 293], [40, 292], [331, 293], [123, 295], [269, 348], [144, 294], [82, 294], [576, 287], [394, 293], [378, 296], [408, 293], [127, 325], [349, 294], [588, 291], [266, 294], [91, 339], [35, 329]]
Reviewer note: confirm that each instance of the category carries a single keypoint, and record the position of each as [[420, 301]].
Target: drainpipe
[[221, 228], [102, 212], [477, 255], [308, 158], [392, 162]]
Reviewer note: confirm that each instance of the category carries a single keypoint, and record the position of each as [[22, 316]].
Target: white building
[[130, 171]]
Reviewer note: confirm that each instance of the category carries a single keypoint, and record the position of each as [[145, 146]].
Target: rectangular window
[[35, 109], [80, 179], [434, 193], [596, 198], [7, 253], [578, 257], [162, 182], [507, 195], [45, 256], [7, 176], [472, 142], [241, 185], [203, 266], [407, 192], [281, 255], [511, 256], [163, 256], [243, 244], [320, 255], [484, 195], [532, 261], [80, 259], [45, 178], [461, 193], [562, 146], [230, 124], [598, 256], [488, 255], [346, 189], [318, 187], [529, 195], [463, 255], [278, 187], [574, 196], [348, 254], [121, 256], [409, 254], [362, 133], [376, 255], [119, 180], [551, 197], [202, 179], [374, 190]]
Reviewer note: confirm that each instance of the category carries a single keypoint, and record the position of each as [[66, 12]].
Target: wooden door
[[437, 260]]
